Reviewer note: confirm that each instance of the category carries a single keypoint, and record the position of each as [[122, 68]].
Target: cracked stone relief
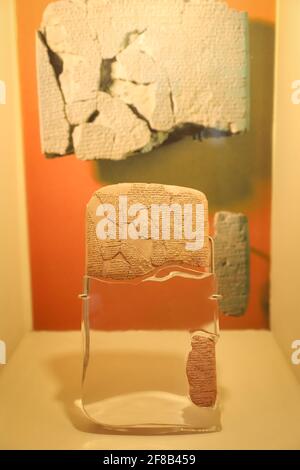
[[126, 259], [122, 77]]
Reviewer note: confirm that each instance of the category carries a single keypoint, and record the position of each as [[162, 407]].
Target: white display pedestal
[[40, 386]]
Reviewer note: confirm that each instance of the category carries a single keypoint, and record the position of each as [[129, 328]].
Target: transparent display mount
[[147, 368]]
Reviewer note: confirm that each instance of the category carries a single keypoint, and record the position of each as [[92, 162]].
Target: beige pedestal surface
[[260, 398]]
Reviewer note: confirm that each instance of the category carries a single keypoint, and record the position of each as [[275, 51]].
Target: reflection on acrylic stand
[[147, 374], [2, 92], [2, 353]]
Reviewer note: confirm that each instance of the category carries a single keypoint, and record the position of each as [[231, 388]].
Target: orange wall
[[57, 194], [59, 189], [263, 10]]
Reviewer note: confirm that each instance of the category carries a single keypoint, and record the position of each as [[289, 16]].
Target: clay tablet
[[118, 77], [171, 224], [232, 262], [201, 371]]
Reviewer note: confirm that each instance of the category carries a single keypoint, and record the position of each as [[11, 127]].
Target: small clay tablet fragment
[[201, 371]]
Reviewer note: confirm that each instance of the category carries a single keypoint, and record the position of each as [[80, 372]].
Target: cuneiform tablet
[[128, 258], [232, 262], [166, 67], [201, 371]]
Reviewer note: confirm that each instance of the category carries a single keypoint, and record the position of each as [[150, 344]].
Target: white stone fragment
[[93, 141], [69, 36], [115, 133], [55, 129], [173, 63], [80, 112], [142, 97], [134, 65]]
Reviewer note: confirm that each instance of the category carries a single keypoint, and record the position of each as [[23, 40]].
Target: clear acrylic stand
[[138, 366]]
